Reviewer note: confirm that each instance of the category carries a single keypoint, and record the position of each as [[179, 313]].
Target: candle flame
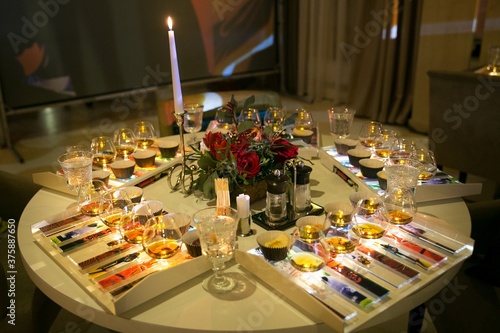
[[169, 23]]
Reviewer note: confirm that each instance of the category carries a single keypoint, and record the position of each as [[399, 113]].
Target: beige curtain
[[360, 53]]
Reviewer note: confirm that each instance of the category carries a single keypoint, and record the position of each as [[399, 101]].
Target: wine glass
[[70, 149], [134, 217], [77, 169], [340, 121], [387, 140], [274, 117], [399, 205], [250, 114], [224, 121], [338, 237], [369, 133], [368, 219], [193, 120], [217, 228], [303, 126], [112, 205], [428, 161], [104, 151], [145, 134], [402, 148], [162, 238], [91, 197], [124, 141]]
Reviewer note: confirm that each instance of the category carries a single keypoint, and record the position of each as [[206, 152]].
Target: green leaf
[[247, 124], [209, 186], [206, 162], [249, 101]]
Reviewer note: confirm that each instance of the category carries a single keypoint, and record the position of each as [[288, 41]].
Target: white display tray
[[428, 191], [129, 291], [338, 309], [141, 177]]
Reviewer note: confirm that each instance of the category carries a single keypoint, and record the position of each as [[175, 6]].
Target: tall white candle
[[176, 81]]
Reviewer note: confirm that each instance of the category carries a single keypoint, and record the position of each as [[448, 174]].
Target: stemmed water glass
[[193, 120], [124, 141], [77, 168], [217, 228], [274, 117], [145, 134]]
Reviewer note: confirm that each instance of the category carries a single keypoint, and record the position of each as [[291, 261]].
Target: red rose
[[248, 163], [284, 150], [217, 144]]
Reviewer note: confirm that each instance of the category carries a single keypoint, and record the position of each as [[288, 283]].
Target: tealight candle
[[176, 82]]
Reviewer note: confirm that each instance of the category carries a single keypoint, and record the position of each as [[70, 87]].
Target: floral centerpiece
[[245, 156]]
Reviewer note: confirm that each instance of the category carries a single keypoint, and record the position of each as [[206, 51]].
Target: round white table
[[188, 307]]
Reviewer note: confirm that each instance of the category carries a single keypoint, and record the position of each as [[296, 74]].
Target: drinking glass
[[402, 148], [70, 149], [145, 134], [217, 228], [399, 205], [112, 205], [493, 67], [368, 219], [224, 121], [124, 141], [340, 121], [250, 114], [428, 161], [162, 238], [193, 120], [369, 133], [303, 127], [310, 238], [91, 197], [104, 151], [77, 169], [387, 140], [402, 173], [132, 221], [274, 117]]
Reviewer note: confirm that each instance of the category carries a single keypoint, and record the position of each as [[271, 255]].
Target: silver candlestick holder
[[184, 180]]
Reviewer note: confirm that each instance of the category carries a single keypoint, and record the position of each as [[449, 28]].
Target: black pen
[[104, 268], [394, 250], [419, 234]]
